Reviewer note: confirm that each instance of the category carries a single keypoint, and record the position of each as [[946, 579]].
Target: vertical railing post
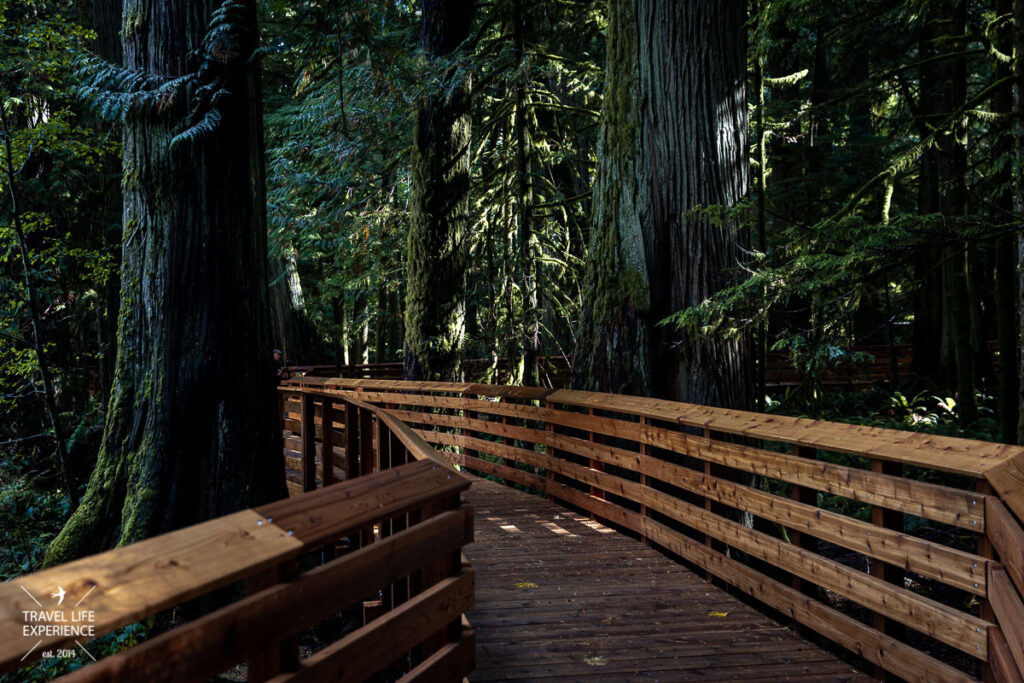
[[367, 456], [802, 494], [890, 573], [712, 470], [645, 451], [986, 550], [551, 485], [351, 441], [327, 442], [308, 413], [598, 465], [284, 655], [505, 440]]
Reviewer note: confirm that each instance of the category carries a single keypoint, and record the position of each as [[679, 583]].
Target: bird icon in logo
[[59, 595]]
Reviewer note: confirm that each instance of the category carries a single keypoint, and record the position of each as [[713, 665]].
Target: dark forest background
[[665, 195]]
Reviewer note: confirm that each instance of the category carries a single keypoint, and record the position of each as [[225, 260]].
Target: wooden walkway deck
[[559, 597]]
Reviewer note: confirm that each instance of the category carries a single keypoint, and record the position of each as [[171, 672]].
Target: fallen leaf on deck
[[717, 614], [595, 660], [526, 585]]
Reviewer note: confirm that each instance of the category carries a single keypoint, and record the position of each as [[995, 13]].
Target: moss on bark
[[435, 297]]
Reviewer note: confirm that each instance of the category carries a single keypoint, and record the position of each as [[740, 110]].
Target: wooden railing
[[384, 548], [911, 565]]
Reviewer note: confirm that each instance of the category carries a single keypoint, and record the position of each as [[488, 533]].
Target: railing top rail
[[949, 454]]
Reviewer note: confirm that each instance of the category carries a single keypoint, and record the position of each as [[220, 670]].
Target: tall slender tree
[[435, 299], [674, 145], [190, 431]]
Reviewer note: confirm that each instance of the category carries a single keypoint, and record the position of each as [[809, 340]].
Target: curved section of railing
[[384, 548], [924, 558]]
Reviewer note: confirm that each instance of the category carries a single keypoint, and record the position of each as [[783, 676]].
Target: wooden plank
[[326, 514], [453, 662], [1007, 479], [1004, 668], [1009, 611], [877, 648], [521, 455], [216, 641], [124, 585], [363, 652], [494, 469], [948, 454], [1007, 538]]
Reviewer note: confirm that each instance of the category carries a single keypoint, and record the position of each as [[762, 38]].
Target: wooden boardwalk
[[560, 597]]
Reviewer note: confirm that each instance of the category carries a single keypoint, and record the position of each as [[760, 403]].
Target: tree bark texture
[[191, 430], [673, 139], [435, 298]]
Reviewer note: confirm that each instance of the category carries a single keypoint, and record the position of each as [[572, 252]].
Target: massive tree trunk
[[191, 431], [435, 299], [674, 138]]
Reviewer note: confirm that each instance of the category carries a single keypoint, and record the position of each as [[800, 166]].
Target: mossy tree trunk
[[191, 431], [435, 301], [674, 138]]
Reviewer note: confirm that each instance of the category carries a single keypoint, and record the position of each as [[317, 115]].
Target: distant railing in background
[[857, 367], [913, 536], [383, 546]]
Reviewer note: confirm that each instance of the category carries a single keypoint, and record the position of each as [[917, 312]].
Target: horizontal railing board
[[359, 654], [959, 456], [453, 662], [1004, 668], [208, 645], [124, 585], [508, 473], [1009, 611], [1007, 479], [1007, 537], [336, 511]]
